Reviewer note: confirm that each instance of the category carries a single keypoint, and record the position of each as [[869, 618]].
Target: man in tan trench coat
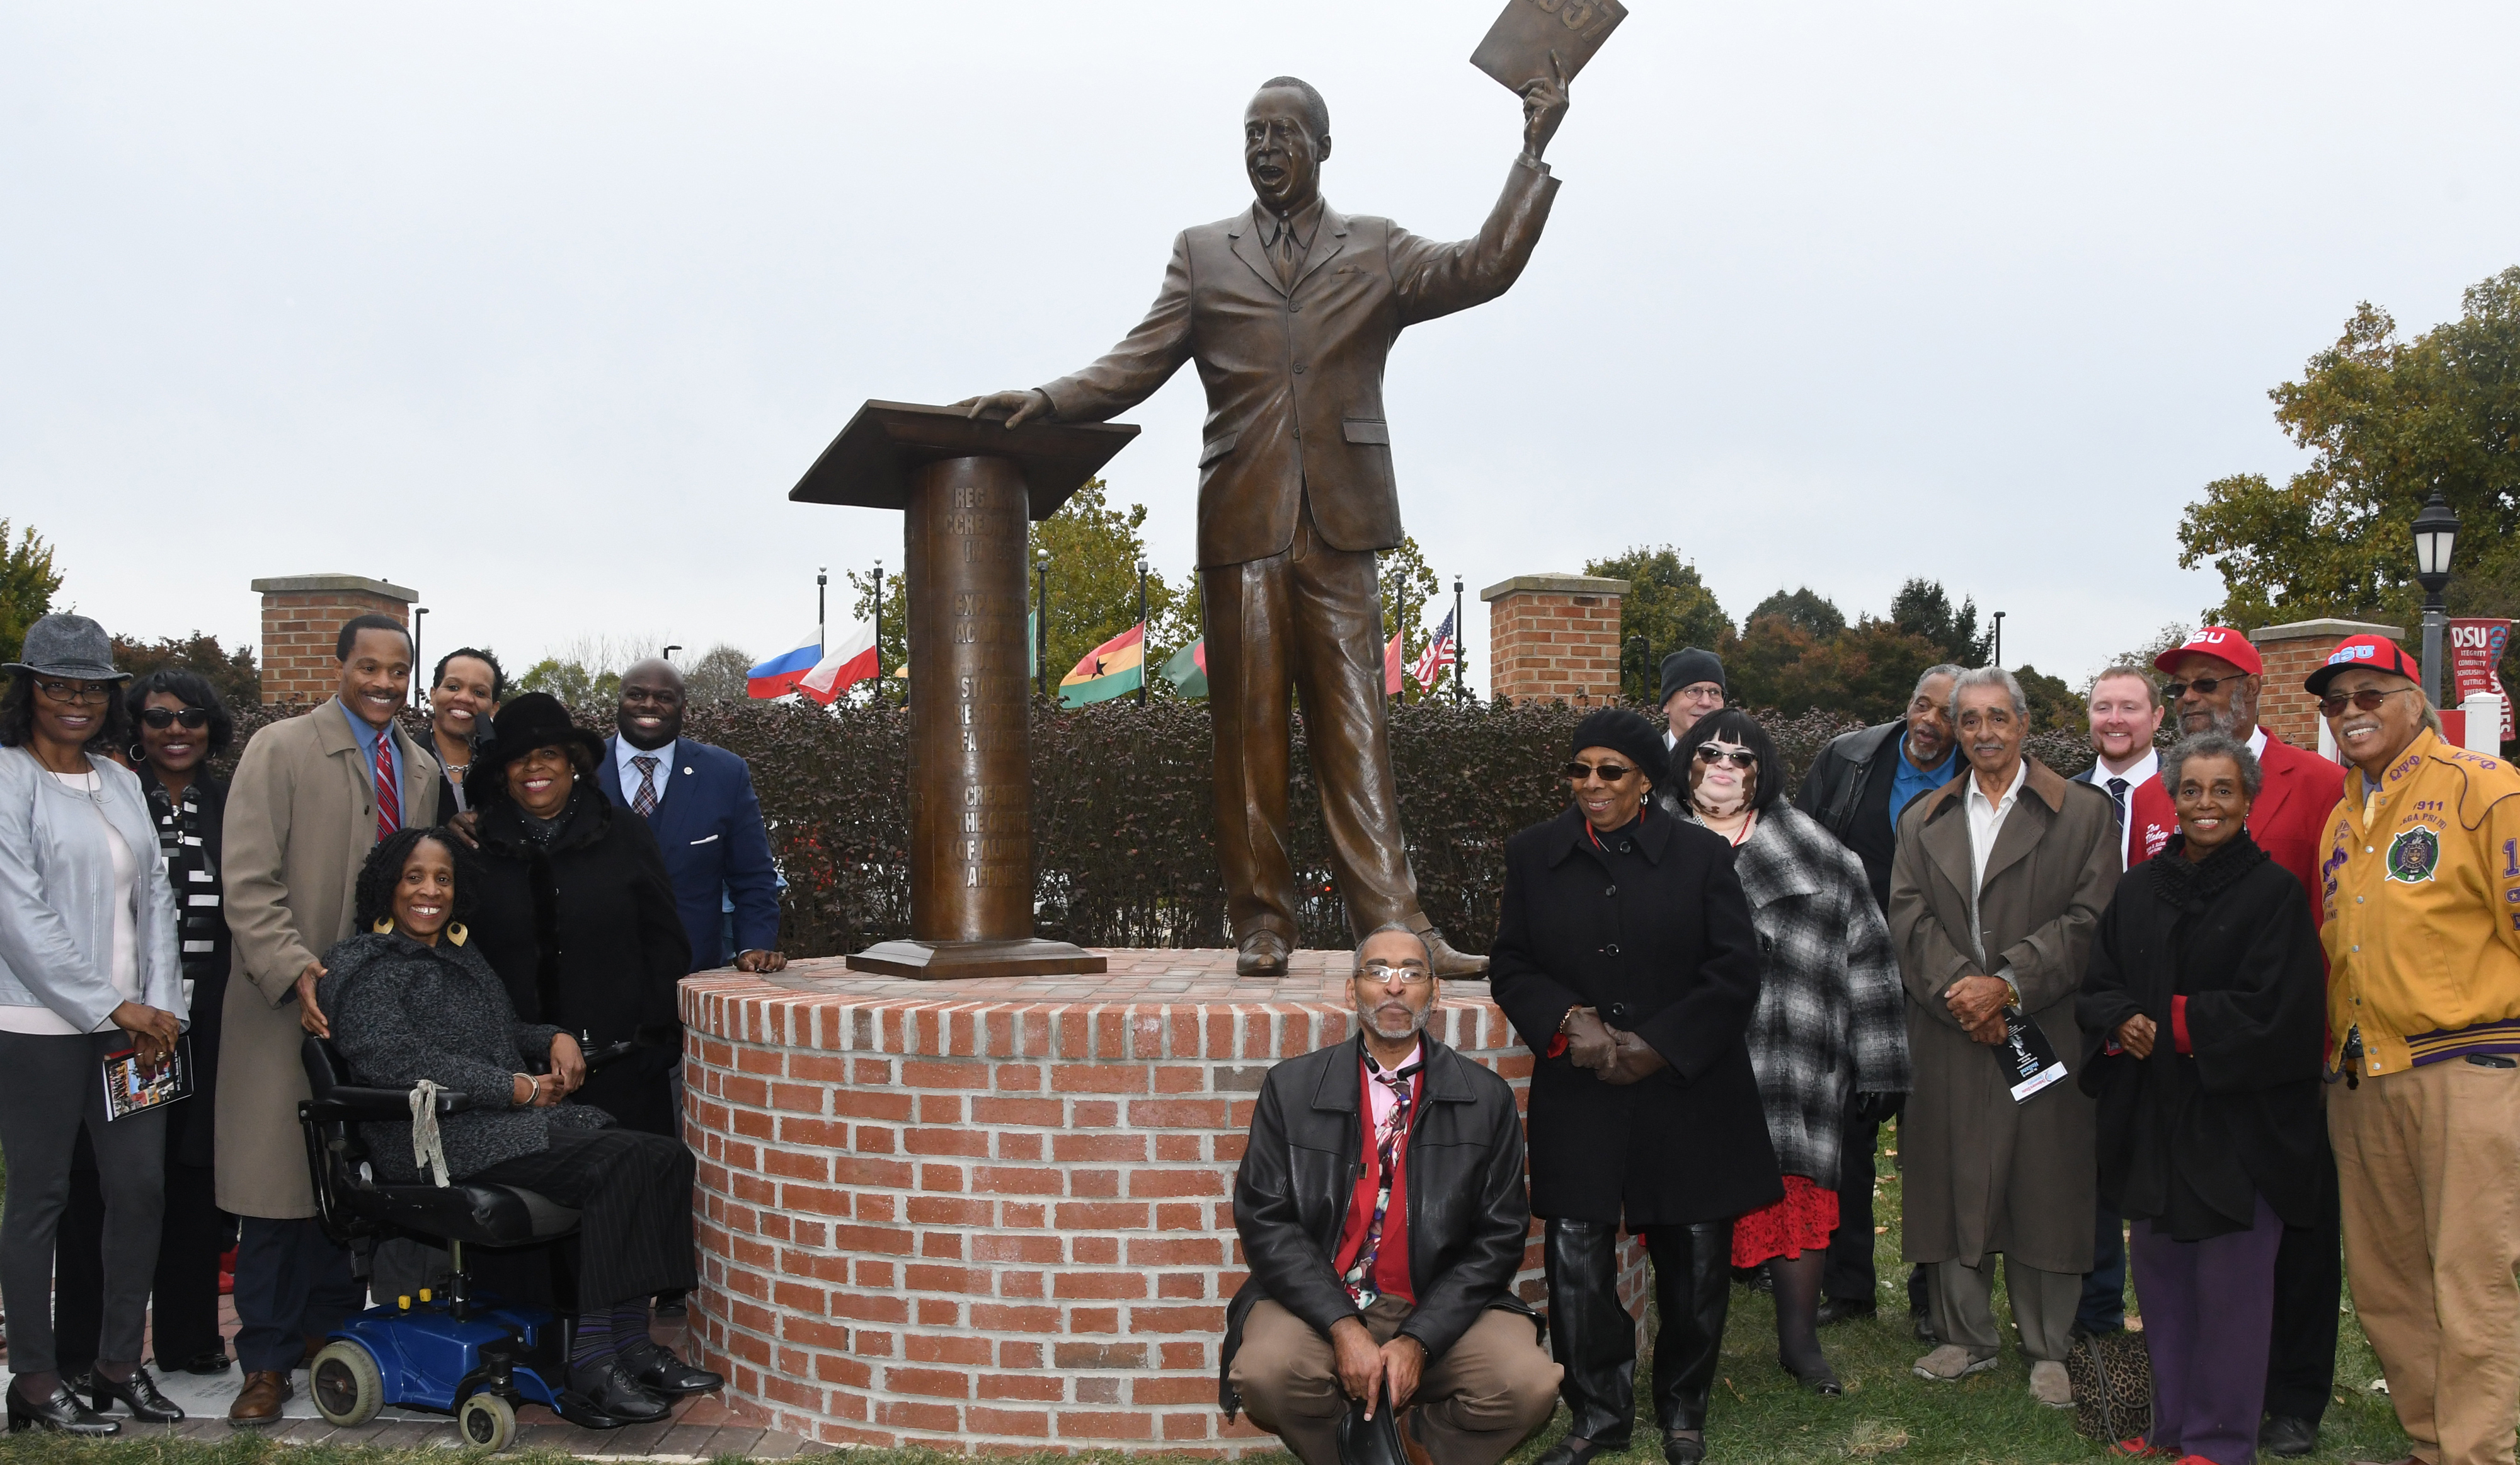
[[302, 815], [1999, 879]]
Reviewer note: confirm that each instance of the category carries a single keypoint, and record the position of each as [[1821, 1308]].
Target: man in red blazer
[[1289, 308], [2215, 679]]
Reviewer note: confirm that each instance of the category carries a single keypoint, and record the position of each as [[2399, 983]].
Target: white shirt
[[664, 778], [125, 967], [1986, 820], [2144, 770]]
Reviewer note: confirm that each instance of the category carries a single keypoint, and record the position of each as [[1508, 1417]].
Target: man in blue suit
[[698, 800]]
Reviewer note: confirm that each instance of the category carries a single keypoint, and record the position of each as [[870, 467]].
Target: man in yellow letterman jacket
[[2421, 880]]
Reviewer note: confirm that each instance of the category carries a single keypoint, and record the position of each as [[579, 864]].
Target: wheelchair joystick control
[[423, 1296], [403, 1302]]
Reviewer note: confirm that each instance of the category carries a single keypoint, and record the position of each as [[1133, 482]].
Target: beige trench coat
[[302, 818], [1980, 1172]]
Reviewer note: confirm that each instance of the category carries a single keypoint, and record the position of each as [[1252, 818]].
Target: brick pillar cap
[[289, 584], [1555, 585], [2330, 630]]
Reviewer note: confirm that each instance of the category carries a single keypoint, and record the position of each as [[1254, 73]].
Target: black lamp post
[[1041, 623], [418, 613], [1999, 640], [1461, 646], [2436, 533], [875, 695], [1144, 648]]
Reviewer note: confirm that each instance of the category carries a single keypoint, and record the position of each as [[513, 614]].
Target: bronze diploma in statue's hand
[[1589, 1045], [1544, 106], [1017, 407]]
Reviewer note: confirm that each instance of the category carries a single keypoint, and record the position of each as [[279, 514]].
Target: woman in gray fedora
[[88, 967]]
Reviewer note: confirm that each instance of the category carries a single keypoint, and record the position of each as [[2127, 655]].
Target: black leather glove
[[1876, 1108]]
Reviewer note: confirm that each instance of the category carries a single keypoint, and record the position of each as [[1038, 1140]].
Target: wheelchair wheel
[[346, 1385], [488, 1421]]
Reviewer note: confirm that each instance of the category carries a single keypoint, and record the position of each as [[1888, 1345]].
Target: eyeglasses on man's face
[[76, 692], [1387, 972], [1607, 772], [2369, 700], [2203, 686]]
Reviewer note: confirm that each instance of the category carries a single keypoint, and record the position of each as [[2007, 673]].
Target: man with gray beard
[[1382, 1209]]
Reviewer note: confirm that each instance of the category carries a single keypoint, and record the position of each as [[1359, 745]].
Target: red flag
[[1391, 666]]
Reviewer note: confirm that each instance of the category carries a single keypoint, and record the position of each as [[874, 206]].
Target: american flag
[[1438, 655]]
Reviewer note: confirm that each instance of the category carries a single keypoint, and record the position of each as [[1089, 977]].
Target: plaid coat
[[1831, 1020]]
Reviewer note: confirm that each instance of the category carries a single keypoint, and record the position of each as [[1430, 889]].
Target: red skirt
[[1798, 1224]]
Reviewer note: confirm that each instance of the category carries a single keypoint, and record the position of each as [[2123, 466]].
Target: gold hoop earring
[[383, 925]]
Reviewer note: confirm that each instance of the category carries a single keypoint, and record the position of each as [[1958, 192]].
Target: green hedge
[[1124, 818]]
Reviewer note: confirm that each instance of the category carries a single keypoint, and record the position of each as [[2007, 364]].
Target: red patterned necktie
[[645, 802], [1390, 1137], [388, 798]]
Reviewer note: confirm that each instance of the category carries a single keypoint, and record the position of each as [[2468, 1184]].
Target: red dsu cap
[[2218, 641], [2375, 652]]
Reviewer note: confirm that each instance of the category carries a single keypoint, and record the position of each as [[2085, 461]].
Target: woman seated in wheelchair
[[408, 1001]]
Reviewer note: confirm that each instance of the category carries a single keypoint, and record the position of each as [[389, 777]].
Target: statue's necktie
[[645, 802], [388, 798], [1390, 1139]]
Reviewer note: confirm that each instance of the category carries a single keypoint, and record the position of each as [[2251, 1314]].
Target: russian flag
[[849, 663], [779, 675]]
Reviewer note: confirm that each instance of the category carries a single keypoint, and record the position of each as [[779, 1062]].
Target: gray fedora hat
[[69, 646]]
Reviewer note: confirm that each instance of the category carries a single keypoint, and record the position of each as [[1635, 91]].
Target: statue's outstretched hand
[[1544, 106], [1017, 407]]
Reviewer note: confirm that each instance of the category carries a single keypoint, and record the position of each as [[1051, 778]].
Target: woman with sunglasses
[[1626, 960], [463, 692], [1829, 1022], [88, 969]]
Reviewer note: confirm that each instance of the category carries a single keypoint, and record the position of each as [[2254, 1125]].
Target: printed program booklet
[[129, 1088], [2030, 1063]]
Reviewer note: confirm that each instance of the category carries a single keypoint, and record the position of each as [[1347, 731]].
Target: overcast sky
[[542, 308]]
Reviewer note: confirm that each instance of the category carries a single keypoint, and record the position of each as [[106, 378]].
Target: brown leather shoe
[[1262, 953], [1448, 962], [260, 1399], [1406, 1425]]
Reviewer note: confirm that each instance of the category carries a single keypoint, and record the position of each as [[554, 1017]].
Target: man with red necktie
[[2215, 677]]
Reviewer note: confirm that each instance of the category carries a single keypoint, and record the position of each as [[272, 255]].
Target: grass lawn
[[1760, 1415]]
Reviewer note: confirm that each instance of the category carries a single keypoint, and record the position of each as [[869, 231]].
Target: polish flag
[[850, 660]]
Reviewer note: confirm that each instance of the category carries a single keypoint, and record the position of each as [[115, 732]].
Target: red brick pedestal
[[996, 1215]]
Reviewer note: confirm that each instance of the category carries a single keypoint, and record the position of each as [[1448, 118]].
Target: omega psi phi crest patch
[[2414, 856]]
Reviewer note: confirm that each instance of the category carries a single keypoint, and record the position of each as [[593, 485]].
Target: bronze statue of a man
[[1290, 307]]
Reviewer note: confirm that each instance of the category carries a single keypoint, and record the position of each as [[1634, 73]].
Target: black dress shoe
[[1571, 1450], [672, 1304], [1839, 1310], [1822, 1381], [215, 1360], [659, 1372], [1926, 1327], [1684, 1449], [611, 1388], [2288, 1435], [138, 1394], [61, 1413]]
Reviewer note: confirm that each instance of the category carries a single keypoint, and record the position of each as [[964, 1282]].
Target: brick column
[[1553, 638], [302, 613], [2292, 651]]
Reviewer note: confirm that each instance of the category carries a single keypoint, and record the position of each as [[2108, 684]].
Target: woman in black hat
[[574, 909], [1626, 960]]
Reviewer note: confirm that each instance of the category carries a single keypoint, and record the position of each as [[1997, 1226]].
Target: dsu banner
[[2476, 645]]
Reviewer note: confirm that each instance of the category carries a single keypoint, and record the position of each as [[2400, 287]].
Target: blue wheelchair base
[[429, 1359]]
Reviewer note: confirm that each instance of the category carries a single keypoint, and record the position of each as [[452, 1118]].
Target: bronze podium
[[967, 489]]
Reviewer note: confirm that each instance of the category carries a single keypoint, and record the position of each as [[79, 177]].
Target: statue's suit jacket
[[1294, 378]]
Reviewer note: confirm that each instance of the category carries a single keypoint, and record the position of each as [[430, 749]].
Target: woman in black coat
[[1626, 961], [2203, 1016], [573, 908]]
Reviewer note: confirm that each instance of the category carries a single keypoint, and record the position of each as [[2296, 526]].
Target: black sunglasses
[[2369, 700], [1609, 772], [163, 718], [1743, 758], [2205, 686]]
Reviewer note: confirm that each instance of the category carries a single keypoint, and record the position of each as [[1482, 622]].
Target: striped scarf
[[200, 922]]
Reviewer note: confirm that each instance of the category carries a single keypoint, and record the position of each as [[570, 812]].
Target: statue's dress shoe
[[259, 1402], [1448, 962], [1262, 953]]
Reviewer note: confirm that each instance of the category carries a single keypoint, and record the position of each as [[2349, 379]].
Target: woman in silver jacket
[[88, 968]]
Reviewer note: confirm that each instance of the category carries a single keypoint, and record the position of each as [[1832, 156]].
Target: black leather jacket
[[1468, 1217], [1834, 790]]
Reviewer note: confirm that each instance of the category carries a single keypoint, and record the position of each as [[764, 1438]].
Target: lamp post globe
[[2436, 535]]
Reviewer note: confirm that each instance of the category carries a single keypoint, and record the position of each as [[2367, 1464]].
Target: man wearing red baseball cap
[[2422, 888], [2215, 679]]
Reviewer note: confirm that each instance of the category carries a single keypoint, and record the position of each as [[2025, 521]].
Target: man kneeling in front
[[1381, 1208]]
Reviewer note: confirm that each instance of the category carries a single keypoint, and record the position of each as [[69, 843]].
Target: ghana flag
[[1111, 669], [1187, 668]]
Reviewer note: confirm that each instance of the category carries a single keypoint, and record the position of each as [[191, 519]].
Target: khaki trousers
[[2042, 1306], [2428, 1172], [1474, 1405]]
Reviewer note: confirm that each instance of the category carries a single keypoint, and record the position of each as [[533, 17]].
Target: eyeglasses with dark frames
[[2203, 686], [163, 718], [1608, 772], [1740, 757], [2368, 700], [74, 693]]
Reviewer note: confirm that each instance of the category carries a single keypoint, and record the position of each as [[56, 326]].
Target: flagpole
[[877, 696], [1040, 620], [821, 632], [1145, 649], [1461, 645]]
